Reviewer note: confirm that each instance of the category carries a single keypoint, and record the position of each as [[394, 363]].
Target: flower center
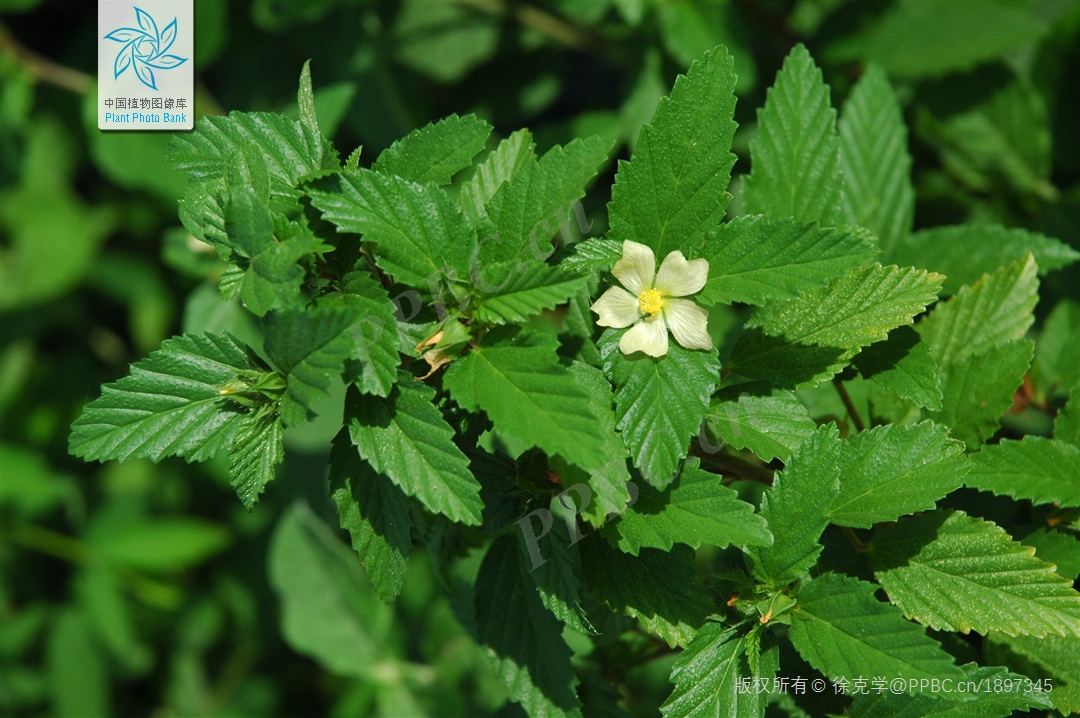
[[649, 301]]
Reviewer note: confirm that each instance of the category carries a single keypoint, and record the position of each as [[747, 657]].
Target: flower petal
[[678, 277], [637, 267], [617, 308], [649, 336], [688, 323]]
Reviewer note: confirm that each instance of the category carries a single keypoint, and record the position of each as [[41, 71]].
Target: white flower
[[651, 303]]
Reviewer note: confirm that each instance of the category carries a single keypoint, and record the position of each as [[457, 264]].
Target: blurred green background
[[138, 589]]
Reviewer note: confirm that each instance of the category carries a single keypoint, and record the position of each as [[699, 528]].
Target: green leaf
[[663, 590], [257, 449], [1057, 353], [753, 259], [556, 578], [309, 347], [978, 389], [248, 223], [801, 342], [1067, 421], [903, 364], [375, 335], [842, 630], [305, 100], [419, 232], [524, 640], [405, 437], [607, 483], [659, 403], [158, 544], [795, 168], [965, 252], [674, 188], [290, 150], [517, 380], [953, 572], [592, 255], [512, 156], [771, 425], [78, 671], [890, 471], [512, 291], [708, 675], [1056, 547], [435, 152], [795, 508], [981, 704], [1054, 658], [695, 509], [1044, 471], [913, 39], [328, 610], [173, 403], [874, 160], [531, 206], [996, 309], [375, 512]]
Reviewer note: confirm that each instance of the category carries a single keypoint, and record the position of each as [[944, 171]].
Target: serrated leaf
[[795, 158], [248, 223], [405, 437], [1041, 470], [801, 342], [524, 640], [517, 380], [435, 152], [309, 347], [978, 389], [953, 572], [694, 509], [290, 150], [674, 188], [202, 212], [513, 291], [513, 155], [771, 425], [305, 100], [173, 403], [996, 309], [842, 630], [375, 334], [659, 403], [890, 471], [375, 512], [273, 277], [795, 508], [556, 577], [1056, 547], [1057, 353], [608, 482], [257, 448], [663, 590], [875, 163], [1067, 421], [1054, 658], [753, 259], [903, 364], [419, 232], [529, 208], [591, 255], [964, 253], [974, 704], [710, 676]]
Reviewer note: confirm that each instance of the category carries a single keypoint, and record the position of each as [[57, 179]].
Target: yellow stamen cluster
[[650, 302]]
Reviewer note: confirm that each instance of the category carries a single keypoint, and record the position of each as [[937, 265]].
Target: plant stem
[[42, 68], [849, 404], [855, 541], [536, 19], [732, 464]]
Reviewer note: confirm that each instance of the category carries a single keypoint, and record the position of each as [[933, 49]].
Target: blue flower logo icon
[[145, 48]]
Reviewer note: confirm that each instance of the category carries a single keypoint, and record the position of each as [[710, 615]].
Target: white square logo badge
[[146, 64]]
